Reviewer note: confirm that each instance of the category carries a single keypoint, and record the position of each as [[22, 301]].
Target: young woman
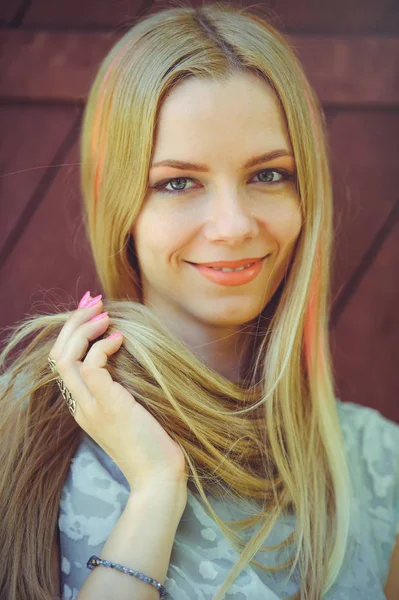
[[200, 447]]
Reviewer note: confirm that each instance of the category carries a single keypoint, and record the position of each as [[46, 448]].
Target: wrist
[[160, 494]]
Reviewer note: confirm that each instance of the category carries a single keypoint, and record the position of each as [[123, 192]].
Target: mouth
[[228, 276], [233, 264]]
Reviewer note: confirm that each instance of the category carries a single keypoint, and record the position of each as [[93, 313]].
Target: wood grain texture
[[351, 71], [365, 277], [32, 137], [52, 264], [48, 66], [338, 17], [319, 16], [60, 67], [307, 16], [9, 9], [364, 150], [365, 339], [83, 14]]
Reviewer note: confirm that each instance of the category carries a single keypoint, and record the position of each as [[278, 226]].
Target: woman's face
[[225, 210]]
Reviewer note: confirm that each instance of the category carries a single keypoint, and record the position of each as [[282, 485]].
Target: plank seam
[[40, 192], [365, 263], [20, 14]]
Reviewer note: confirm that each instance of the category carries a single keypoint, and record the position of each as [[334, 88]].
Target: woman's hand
[[128, 433]]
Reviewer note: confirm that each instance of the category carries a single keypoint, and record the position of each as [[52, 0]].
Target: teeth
[[226, 270]]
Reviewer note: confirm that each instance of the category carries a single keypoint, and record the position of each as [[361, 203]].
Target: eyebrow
[[252, 162]]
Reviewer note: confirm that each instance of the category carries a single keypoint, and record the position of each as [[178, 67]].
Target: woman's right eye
[[176, 189]]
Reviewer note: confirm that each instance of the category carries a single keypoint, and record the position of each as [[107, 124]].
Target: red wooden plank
[[319, 16], [50, 66], [61, 66], [31, 137], [364, 337], [8, 10], [307, 16], [52, 262], [364, 151], [354, 71], [365, 341], [325, 17], [77, 14]]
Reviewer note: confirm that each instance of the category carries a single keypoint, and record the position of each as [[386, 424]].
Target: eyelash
[[161, 185]]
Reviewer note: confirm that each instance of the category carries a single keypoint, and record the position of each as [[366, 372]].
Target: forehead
[[241, 114]]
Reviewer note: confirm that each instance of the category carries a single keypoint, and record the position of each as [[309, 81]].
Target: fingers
[[98, 354], [78, 343], [72, 344], [94, 374], [77, 318], [69, 361]]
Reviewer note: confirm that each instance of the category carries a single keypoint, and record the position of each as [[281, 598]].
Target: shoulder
[[368, 431], [372, 447], [371, 437]]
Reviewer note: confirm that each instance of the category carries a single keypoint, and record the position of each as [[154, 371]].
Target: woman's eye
[[178, 185], [269, 178]]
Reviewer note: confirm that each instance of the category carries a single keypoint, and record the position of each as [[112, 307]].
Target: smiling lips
[[233, 264], [244, 275]]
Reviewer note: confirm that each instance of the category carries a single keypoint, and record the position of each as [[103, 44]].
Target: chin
[[229, 318]]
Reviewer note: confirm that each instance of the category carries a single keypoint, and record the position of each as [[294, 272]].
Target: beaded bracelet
[[94, 561]]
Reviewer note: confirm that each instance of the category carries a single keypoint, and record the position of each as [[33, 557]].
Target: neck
[[226, 350]]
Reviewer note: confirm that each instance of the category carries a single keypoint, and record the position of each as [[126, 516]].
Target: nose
[[231, 219]]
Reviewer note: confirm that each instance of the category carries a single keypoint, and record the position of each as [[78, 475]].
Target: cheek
[[160, 234], [285, 224]]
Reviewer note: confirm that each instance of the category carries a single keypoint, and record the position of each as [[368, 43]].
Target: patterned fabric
[[95, 494]]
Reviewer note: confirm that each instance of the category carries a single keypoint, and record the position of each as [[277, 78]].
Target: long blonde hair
[[296, 462]]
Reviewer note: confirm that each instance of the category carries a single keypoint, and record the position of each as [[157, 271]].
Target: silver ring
[[66, 394]]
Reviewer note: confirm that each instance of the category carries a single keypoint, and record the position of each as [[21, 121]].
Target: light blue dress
[[95, 494]]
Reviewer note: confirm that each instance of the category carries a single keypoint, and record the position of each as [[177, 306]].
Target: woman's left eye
[[270, 178]]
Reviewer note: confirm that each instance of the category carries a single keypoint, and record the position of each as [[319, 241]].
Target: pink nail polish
[[114, 335], [94, 301], [100, 316], [84, 299]]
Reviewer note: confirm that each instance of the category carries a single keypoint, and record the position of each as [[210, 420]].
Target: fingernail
[[114, 335], [98, 317], [84, 299], [94, 301]]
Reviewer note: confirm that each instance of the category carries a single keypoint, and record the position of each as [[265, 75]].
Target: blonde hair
[[296, 462]]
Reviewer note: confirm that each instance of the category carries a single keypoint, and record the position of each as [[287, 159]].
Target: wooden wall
[[50, 52]]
